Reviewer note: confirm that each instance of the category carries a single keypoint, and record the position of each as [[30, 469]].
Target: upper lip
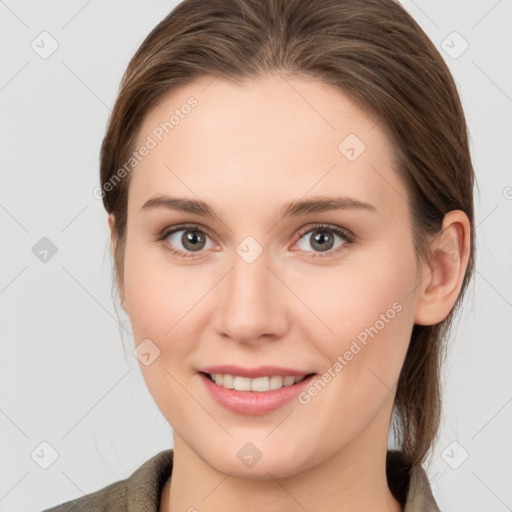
[[252, 373]]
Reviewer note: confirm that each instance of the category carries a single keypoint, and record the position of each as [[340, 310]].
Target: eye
[[322, 238], [183, 241]]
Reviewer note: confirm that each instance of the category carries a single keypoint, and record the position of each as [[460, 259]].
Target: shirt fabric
[[141, 491]]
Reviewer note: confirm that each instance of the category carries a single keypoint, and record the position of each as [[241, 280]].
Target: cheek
[[372, 319], [164, 306], [364, 313], [159, 300], [154, 292]]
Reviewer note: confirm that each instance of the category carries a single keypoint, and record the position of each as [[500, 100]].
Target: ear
[[113, 246], [442, 276]]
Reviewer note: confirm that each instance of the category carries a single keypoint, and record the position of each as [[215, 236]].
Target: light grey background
[[68, 379]]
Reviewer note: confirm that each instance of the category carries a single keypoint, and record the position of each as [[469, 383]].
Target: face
[[325, 291]]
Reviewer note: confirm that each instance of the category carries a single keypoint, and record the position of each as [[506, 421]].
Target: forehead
[[262, 142]]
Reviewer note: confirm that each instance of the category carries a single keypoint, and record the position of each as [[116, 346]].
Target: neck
[[351, 479]]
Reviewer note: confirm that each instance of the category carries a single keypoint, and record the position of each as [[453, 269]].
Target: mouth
[[261, 384], [257, 395]]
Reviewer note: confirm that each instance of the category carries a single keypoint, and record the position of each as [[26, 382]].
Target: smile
[[254, 396], [259, 384]]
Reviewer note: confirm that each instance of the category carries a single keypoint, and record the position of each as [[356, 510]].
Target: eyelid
[[169, 230], [180, 227], [340, 231], [198, 227], [347, 235], [328, 227]]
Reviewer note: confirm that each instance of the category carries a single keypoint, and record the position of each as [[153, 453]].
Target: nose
[[251, 302]]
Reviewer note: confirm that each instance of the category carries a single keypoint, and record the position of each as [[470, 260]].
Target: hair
[[376, 54]]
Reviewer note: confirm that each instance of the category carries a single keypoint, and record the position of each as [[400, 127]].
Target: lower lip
[[254, 403]]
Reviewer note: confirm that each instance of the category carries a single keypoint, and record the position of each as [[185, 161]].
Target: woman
[[289, 192]]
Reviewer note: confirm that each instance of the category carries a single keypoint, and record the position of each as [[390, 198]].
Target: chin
[[258, 460]]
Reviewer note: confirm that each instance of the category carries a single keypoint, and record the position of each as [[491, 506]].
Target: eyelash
[[341, 232]]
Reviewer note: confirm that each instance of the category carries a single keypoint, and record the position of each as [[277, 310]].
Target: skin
[[246, 150]]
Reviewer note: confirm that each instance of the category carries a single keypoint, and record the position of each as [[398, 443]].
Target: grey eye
[[190, 239], [321, 239]]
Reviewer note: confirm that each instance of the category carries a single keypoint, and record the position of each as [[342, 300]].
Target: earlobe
[[442, 277]]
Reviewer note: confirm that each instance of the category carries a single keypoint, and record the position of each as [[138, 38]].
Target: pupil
[[320, 238], [193, 238]]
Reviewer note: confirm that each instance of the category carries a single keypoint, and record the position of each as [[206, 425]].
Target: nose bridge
[[248, 306]]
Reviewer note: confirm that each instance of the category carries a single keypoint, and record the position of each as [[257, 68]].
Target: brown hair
[[376, 53]]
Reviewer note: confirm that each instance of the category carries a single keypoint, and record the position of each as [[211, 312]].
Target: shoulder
[[409, 484], [140, 492], [419, 495]]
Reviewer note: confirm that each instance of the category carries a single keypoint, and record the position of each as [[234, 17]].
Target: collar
[[409, 484], [141, 491]]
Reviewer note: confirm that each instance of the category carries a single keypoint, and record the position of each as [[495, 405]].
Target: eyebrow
[[292, 209]]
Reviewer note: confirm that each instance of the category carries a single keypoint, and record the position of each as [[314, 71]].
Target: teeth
[[260, 384]]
